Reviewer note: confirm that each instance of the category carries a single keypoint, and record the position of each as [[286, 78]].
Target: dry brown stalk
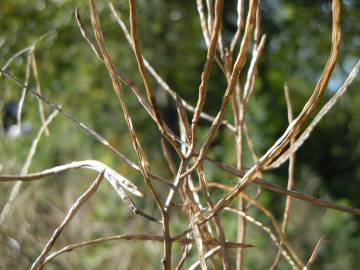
[[39, 262], [165, 217], [142, 99], [149, 91], [210, 15], [239, 104], [207, 68]]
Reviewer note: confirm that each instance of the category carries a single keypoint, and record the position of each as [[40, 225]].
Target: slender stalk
[[314, 253], [23, 93], [207, 69], [291, 177], [16, 188], [38, 88], [149, 90]]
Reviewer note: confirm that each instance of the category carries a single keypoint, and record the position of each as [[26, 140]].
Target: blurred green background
[[297, 46]]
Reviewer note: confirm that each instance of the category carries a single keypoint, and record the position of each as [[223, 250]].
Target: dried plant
[[205, 231]]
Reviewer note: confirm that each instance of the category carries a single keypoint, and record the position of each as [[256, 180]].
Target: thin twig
[[207, 255], [16, 188], [23, 93], [252, 69], [256, 50], [324, 110], [250, 143], [239, 22], [183, 120], [268, 231], [25, 50], [314, 253], [291, 176], [198, 242], [210, 19], [186, 252], [14, 56], [203, 23], [169, 160]]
